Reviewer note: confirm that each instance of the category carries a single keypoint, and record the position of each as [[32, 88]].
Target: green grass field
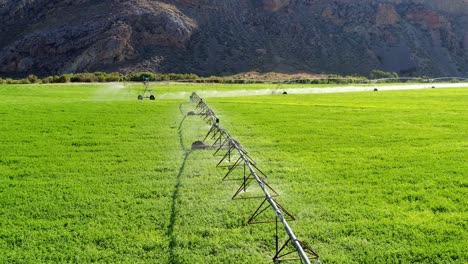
[[90, 174]]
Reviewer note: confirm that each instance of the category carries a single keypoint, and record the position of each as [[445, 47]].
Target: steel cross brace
[[227, 155], [201, 106], [262, 208], [249, 159], [213, 129], [223, 144], [246, 181], [217, 133], [236, 146], [243, 187], [206, 115], [231, 168], [280, 255]]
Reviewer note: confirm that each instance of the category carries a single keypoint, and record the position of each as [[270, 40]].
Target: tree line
[[92, 77]]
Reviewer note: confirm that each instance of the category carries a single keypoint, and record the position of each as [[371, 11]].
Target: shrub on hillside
[[179, 76], [141, 77], [13, 81], [33, 78], [378, 74], [84, 77], [64, 78], [55, 79], [108, 77]]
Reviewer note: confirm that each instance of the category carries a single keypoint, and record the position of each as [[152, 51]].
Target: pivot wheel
[[152, 97], [140, 97]]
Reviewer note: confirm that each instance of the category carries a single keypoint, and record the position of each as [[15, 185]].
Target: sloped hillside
[[225, 37]]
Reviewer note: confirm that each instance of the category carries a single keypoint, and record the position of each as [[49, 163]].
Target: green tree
[[32, 78]]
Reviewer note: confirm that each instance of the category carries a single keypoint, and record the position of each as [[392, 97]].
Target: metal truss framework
[[237, 158]]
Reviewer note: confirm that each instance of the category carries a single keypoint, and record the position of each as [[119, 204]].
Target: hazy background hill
[[229, 36]]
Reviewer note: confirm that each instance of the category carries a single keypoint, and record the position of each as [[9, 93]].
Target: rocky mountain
[[229, 36]]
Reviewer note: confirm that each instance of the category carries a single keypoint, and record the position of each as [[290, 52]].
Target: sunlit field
[[90, 174]]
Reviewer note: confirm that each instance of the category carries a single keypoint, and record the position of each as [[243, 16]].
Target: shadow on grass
[[175, 193]]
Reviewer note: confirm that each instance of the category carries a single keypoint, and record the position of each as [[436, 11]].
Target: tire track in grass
[[175, 193]]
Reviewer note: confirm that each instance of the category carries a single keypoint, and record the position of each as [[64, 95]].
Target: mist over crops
[[290, 89]]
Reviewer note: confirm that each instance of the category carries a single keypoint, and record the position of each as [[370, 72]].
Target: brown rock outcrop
[[387, 15], [87, 44], [274, 5], [427, 18]]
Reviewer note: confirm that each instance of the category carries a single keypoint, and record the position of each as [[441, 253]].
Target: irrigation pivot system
[[237, 157], [147, 92]]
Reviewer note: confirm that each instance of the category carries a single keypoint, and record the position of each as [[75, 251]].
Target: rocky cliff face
[[225, 37]]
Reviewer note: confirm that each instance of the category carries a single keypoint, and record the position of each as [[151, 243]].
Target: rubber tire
[[152, 97], [140, 97]]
